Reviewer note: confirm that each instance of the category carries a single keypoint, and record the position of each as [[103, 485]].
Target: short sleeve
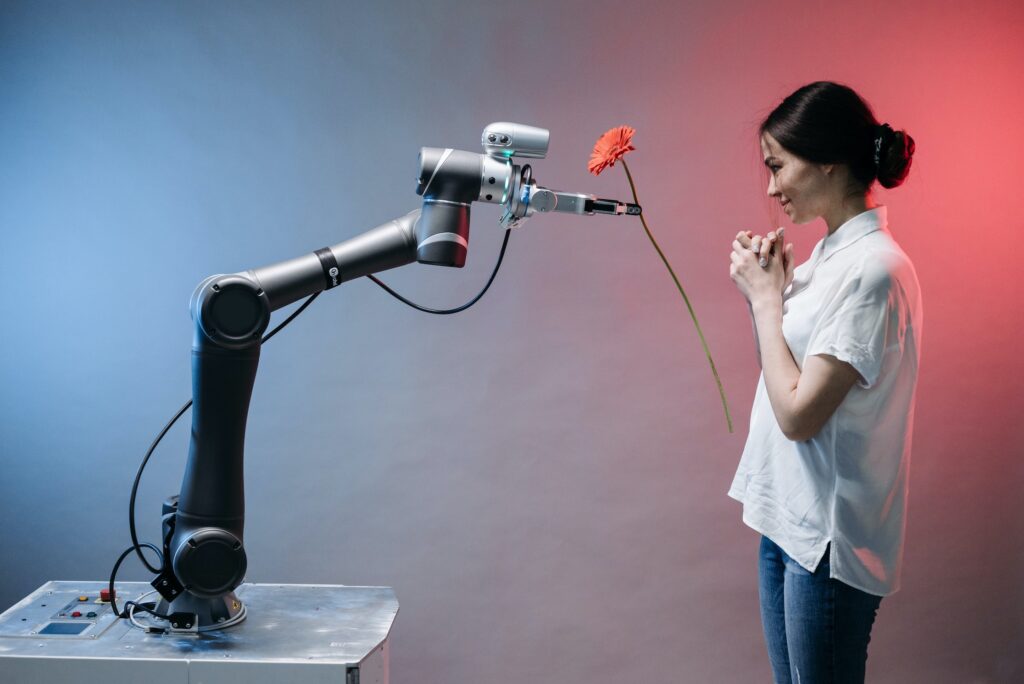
[[855, 326]]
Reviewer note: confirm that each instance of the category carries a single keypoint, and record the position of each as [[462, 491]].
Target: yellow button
[[83, 598]]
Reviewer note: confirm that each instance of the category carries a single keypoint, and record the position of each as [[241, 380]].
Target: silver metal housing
[[506, 139], [495, 179]]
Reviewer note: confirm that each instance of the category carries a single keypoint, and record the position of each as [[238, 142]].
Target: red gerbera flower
[[610, 148]]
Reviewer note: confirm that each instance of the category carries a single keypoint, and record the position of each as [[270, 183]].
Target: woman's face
[[800, 186]]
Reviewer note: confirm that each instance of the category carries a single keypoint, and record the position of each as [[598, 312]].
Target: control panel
[[64, 613]]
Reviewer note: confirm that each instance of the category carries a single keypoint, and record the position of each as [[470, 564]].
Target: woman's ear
[[827, 168]]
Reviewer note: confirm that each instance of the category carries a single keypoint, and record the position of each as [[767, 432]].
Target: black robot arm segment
[[230, 313], [387, 246]]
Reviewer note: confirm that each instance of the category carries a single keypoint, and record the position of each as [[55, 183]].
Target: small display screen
[[65, 628]]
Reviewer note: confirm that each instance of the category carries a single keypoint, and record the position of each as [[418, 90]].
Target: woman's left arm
[[802, 401]]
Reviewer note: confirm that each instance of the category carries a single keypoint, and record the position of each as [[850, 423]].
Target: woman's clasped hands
[[762, 267]]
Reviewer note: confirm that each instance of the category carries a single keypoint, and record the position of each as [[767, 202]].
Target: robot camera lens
[[492, 138]]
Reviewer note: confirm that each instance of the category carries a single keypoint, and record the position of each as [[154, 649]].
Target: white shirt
[[856, 298]]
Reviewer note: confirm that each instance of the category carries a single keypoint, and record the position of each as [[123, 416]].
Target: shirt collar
[[854, 229]]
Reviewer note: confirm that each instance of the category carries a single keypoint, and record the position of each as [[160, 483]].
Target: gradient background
[[542, 478]]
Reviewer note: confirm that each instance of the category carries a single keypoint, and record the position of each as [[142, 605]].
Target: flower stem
[[718, 380]]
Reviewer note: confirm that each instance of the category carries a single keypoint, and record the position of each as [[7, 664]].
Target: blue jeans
[[816, 628]]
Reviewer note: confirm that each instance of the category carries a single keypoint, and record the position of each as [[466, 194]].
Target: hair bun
[[895, 152]]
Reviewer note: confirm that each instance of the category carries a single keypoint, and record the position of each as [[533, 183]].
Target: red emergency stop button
[[106, 594]]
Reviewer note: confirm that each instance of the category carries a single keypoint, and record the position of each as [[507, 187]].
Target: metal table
[[295, 633]]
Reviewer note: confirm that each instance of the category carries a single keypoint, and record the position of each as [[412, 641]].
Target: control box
[[66, 632]]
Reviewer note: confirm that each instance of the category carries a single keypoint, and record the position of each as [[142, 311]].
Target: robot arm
[[204, 556]]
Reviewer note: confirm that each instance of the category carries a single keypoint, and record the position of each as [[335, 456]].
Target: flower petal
[[611, 147]]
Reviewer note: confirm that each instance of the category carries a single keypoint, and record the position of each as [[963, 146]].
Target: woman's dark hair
[[828, 123]]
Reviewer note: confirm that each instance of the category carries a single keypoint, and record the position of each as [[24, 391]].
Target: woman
[[823, 475]]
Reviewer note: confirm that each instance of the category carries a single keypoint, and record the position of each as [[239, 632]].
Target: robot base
[[214, 613]]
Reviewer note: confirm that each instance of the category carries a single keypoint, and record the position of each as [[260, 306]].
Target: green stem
[[718, 380]]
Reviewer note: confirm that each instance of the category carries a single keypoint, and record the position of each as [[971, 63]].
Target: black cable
[[113, 576], [136, 546], [501, 255], [290, 318], [144, 608]]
